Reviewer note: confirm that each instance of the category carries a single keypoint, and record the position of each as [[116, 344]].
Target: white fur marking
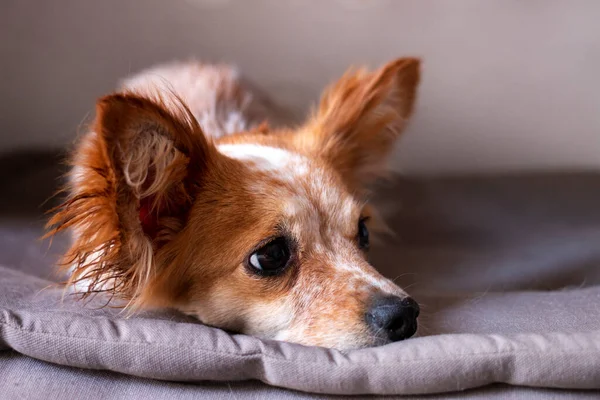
[[283, 164], [368, 277], [265, 157]]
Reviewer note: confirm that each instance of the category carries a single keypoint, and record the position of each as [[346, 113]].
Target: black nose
[[393, 318]]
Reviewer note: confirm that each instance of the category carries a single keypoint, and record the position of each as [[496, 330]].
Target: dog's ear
[[360, 117], [132, 185]]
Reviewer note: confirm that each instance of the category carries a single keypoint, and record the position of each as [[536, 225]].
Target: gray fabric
[[460, 241], [22, 377], [35, 322], [493, 233]]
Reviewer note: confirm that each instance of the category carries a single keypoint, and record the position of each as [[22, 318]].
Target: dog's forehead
[[264, 158], [300, 183]]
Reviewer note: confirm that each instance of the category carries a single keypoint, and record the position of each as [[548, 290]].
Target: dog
[[180, 196]]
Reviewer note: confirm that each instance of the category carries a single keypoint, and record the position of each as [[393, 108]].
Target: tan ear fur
[[133, 180], [360, 117]]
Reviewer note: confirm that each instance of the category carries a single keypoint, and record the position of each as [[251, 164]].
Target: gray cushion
[[25, 377], [470, 335]]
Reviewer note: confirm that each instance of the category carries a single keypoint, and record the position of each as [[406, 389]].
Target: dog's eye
[[363, 234], [270, 259]]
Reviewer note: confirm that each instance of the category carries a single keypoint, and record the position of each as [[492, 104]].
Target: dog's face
[[264, 233], [280, 250]]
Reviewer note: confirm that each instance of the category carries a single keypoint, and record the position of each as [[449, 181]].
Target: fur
[[179, 180]]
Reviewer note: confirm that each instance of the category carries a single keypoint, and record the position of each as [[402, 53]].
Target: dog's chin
[[337, 341], [357, 344]]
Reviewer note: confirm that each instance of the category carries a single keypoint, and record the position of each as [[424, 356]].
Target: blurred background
[[508, 85], [510, 91]]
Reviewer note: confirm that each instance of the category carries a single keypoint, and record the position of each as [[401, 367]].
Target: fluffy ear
[[360, 117], [133, 181]]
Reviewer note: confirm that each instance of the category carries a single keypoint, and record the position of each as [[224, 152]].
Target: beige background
[[508, 84]]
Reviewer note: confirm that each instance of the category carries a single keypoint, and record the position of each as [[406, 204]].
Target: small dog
[[180, 197]]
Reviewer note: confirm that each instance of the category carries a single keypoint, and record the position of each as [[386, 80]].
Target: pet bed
[[506, 270]]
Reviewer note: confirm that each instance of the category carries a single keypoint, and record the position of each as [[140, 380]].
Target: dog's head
[[264, 233]]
